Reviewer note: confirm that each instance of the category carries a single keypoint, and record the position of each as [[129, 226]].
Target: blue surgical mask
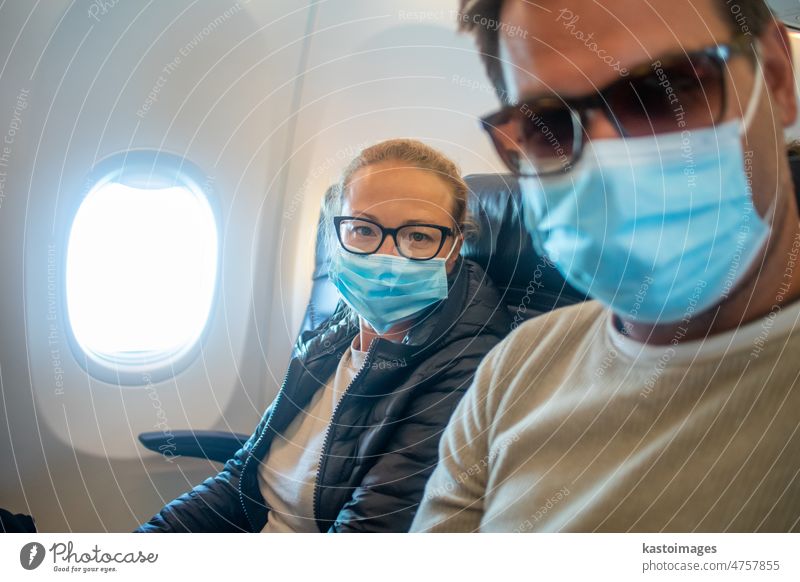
[[386, 289], [657, 228]]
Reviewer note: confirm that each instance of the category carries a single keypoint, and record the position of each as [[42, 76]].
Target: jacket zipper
[[255, 446], [326, 442], [266, 426]]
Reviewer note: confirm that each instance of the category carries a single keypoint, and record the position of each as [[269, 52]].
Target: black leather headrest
[[532, 285], [794, 166]]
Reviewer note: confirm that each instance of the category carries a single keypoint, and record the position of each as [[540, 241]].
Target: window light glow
[[141, 272]]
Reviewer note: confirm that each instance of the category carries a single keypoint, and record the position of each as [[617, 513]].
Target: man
[[648, 138]]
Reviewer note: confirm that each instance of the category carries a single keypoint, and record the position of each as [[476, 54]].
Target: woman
[[352, 437]]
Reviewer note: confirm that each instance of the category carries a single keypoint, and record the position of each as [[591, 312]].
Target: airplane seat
[[529, 285], [324, 296], [794, 166]]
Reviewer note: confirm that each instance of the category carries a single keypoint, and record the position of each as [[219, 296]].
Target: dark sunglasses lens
[[536, 139], [685, 93]]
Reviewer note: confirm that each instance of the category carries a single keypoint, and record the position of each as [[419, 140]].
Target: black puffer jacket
[[383, 444]]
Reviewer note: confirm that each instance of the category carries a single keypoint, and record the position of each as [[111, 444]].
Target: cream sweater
[[288, 474], [570, 426]]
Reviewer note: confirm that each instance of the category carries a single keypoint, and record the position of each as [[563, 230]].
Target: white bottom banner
[[389, 557]]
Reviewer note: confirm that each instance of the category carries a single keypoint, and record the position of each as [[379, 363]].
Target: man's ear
[[776, 59]]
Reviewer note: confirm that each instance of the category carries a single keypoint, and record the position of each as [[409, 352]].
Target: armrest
[[204, 444]]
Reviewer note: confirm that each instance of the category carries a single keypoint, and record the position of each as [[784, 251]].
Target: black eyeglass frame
[[720, 54], [385, 231]]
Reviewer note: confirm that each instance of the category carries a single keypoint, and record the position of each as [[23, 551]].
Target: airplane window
[[141, 271]]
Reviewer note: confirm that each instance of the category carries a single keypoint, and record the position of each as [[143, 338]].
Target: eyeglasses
[[419, 242], [545, 135]]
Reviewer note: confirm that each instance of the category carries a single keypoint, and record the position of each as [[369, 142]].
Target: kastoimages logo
[[31, 555]]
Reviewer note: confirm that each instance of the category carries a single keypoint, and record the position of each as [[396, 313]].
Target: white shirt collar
[[751, 336]]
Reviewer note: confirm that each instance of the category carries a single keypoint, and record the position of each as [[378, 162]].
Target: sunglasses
[[545, 135]]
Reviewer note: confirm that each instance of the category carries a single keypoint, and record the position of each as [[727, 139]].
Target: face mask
[[387, 289], [657, 228]]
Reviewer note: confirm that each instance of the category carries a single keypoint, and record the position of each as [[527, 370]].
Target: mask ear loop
[[452, 248], [747, 120]]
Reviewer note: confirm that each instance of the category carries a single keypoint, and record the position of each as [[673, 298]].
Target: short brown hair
[[406, 151], [752, 14]]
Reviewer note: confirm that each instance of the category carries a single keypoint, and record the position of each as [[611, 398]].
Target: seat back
[[529, 284]]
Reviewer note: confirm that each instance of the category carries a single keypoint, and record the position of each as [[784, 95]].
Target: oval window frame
[[130, 167]]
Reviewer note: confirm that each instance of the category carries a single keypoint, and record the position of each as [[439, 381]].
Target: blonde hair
[[415, 154]]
